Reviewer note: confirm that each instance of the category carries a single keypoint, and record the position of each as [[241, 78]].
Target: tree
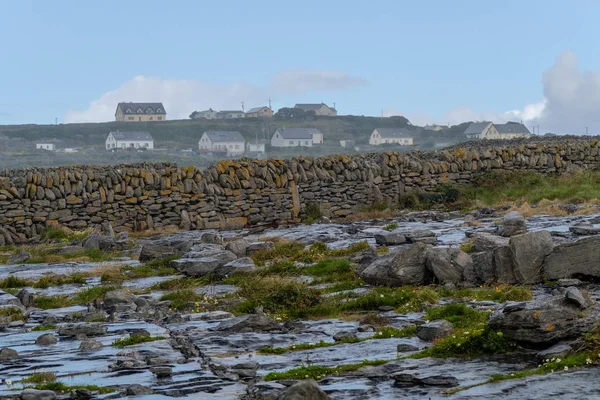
[[290, 113]]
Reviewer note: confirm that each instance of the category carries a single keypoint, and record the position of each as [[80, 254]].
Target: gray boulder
[[25, 297], [107, 230], [575, 258], [90, 345], [420, 236], [19, 258], [46, 339], [92, 241], [237, 247], [434, 330], [543, 322], [405, 267], [344, 335], [528, 252], [6, 353], [87, 329], [447, 264], [504, 265], [138, 390], [120, 300], [390, 238], [258, 246], [304, 390], [483, 267], [513, 224], [7, 299], [152, 252], [483, 241], [558, 350], [363, 259], [162, 371], [249, 323], [245, 264], [203, 260], [33, 394], [584, 230], [573, 295], [81, 394], [569, 282]]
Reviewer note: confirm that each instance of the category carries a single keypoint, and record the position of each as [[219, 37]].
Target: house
[[401, 136], [489, 130], [293, 137], [230, 114], [481, 130], [45, 146], [512, 130], [129, 140], [231, 142], [206, 114], [255, 148], [140, 112], [259, 112], [319, 109], [347, 143]]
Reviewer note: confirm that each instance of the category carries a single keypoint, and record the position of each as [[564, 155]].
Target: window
[[306, 142], [159, 118], [150, 118], [128, 111], [159, 111], [139, 118], [237, 146], [291, 142], [130, 118], [145, 144], [140, 111]]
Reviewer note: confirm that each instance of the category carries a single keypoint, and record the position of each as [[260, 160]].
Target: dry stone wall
[[233, 194]]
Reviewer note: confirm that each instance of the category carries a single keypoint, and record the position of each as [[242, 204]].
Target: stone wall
[[234, 194]]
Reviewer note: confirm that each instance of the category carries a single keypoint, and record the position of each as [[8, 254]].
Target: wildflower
[[566, 368], [8, 382], [306, 376], [381, 295], [380, 333], [558, 360], [466, 333], [588, 360]]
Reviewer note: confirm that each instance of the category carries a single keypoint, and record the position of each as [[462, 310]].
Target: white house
[[231, 114], [231, 142], [255, 148], [45, 146], [401, 136], [347, 143], [129, 140], [293, 137], [206, 114], [489, 130]]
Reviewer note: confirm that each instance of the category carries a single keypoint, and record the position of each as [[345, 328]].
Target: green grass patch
[[13, 313], [45, 255], [317, 372], [182, 283], [295, 251], [61, 235], [499, 294], [43, 328], [40, 377], [467, 246], [62, 388], [181, 298], [391, 226], [459, 314], [13, 282], [403, 299], [57, 280], [133, 340], [84, 296]]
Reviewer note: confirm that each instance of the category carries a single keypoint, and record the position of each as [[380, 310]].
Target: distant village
[[233, 144]]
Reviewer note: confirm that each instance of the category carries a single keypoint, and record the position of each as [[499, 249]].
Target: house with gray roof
[[400, 136], [259, 112], [230, 142], [205, 114], [140, 112], [231, 114], [294, 137], [129, 140], [319, 109], [489, 130]]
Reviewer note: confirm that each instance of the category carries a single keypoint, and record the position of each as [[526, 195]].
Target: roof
[[255, 109], [205, 111], [231, 111], [298, 133], [393, 133], [311, 107], [512, 127], [128, 135], [225, 136], [477, 127], [144, 106]]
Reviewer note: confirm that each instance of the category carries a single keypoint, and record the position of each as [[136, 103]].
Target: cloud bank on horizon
[[182, 97], [571, 98]]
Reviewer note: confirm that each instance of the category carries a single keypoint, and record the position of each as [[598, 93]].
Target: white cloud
[[570, 102], [182, 97]]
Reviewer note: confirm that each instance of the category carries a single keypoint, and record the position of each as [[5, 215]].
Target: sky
[[433, 61]]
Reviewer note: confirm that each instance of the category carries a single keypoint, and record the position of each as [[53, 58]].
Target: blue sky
[[429, 60]]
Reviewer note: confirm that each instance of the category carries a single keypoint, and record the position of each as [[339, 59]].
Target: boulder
[[81, 394], [363, 259], [569, 282], [513, 224], [107, 230], [90, 345], [558, 350], [249, 323], [237, 247], [390, 238], [405, 267], [6, 353], [138, 390], [544, 321], [92, 241], [434, 330], [87, 329], [25, 297], [528, 252], [245, 264], [19, 258], [120, 300], [483, 267], [258, 246], [584, 230], [344, 335], [152, 252], [447, 264], [246, 370], [578, 258], [212, 238], [46, 339], [7, 299], [162, 371], [504, 266], [574, 296], [304, 390], [420, 236], [403, 347], [33, 394], [483, 241], [203, 260]]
